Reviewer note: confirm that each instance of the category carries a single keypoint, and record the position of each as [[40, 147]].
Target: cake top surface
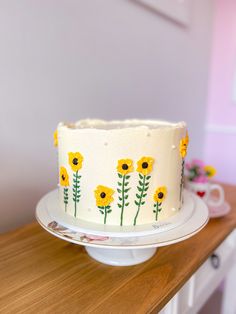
[[95, 124]]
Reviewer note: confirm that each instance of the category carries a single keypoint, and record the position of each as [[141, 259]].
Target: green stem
[[157, 208], [182, 181], [123, 201], [105, 215], [65, 198], [76, 187], [140, 200]]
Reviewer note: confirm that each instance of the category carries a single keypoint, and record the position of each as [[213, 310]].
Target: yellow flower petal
[[75, 161], [210, 171], [145, 165], [160, 194], [55, 138], [103, 195], [64, 177], [184, 145], [125, 166]]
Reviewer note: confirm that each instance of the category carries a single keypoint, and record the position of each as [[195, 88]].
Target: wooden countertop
[[41, 273]]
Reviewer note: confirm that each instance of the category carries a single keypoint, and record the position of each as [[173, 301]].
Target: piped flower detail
[[64, 182], [124, 167], [145, 165], [55, 138], [183, 146], [104, 197], [76, 162], [158, 197]]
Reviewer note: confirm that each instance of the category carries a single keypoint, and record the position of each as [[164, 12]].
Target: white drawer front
[[201, 285]]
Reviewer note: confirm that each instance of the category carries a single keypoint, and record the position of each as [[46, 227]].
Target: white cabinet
[[206, 279]]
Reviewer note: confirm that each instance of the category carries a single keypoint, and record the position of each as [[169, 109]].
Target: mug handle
[[220, 200]]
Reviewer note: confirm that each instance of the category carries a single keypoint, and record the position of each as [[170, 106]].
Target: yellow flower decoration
[[160, 194], [103, 195], [64, 177], [75, 161], [210, 171], [55, 138], [125, 166], [184, 145], [145, 165]]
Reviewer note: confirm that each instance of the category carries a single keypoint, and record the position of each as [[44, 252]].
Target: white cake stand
[[124, 250]]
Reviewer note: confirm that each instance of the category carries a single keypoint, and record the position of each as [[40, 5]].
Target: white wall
[[67, 60]]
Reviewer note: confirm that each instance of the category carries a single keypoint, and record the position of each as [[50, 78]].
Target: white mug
[[204, 190]]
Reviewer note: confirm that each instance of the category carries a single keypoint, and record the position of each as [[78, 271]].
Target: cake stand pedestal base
[[120, 257]]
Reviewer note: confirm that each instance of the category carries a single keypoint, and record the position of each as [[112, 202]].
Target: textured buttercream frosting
[[121, 172]]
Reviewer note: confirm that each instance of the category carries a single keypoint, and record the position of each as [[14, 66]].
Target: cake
[[122, 173]]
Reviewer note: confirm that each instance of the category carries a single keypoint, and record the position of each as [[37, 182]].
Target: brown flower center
[[125, 167], [75, 161], [145, 165], [63, 177], [160, 195], [103, 195]]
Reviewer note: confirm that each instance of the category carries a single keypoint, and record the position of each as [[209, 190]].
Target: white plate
[[51, 203], [194, 224]]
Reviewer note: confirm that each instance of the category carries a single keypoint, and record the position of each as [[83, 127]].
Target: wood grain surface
[[43, 274]]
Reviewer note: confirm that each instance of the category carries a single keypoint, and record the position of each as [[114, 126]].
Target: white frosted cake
[[121, 172]]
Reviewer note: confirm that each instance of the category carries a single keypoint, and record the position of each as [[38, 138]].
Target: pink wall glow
[[220, 148]]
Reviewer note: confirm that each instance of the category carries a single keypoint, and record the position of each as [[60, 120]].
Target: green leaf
[[140, 189], [101, 207], [140, 176], [101, 212], [120, 198], [119, 205], [119, 175], [127, 177], [144, 194], [154, 210], [148, 177], [119, 190], [147, 183], [145, 190], [108, 207], [138, 196], [155, 205], [126, 196], [159, 209], [126, 183], [126, 190], [126, 204], [119, 183], [109, 211], [136, 203], [140, 183], [142, 203]]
